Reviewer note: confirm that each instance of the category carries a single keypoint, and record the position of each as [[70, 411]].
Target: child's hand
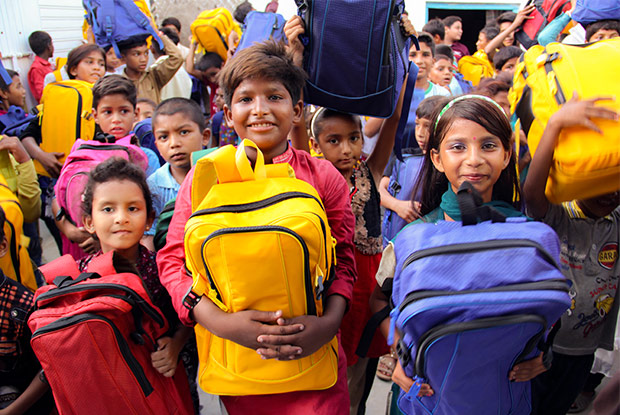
[[246, 327], [405, 383], [527, 370], [166, 358], [50, 162], [407, 210], [15, 147], [523, 15], [407, 27], [90, 245], [292, 29], [579, 113]]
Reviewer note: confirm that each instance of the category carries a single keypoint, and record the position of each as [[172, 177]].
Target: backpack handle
[[472, 209], [243, 163]]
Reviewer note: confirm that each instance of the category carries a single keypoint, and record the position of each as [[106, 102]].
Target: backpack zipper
[[310, 305], [106, 147], [260, 204], [124, 348]]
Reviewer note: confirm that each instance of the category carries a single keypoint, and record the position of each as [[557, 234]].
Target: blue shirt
[[163, 188]]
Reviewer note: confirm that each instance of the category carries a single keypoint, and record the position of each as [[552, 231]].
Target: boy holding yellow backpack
[[268, 356]]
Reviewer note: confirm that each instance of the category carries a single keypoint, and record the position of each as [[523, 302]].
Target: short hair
[[2, 220], [172, 21], [115, 168], [504, 55], [490, 31], [435, 27], [146, 101], [506, 17], [39, 41], [445, 50], [3, 85], [132, 42], [440, 57], [242, 11], [76, 55], [268, 60], [209, 60], [429, 105], [450, 20], [111, 85], [323, 114], [187, 107], [427, 39], [489, 87], [608, 24]]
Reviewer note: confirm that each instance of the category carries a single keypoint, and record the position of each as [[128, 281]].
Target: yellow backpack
[[586, 164], [60, 63], [66, 114], [16, 264], [475, 67], [211, 29], [258, 239]]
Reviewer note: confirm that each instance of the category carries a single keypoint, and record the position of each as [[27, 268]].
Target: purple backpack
[[84, 156], [472, 300]]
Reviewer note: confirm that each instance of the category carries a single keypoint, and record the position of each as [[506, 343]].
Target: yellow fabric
[[586, 164], [256, 262], [16, 263], [60, 62], [67, 107], [21, 178], [211, 29], [476, 67]]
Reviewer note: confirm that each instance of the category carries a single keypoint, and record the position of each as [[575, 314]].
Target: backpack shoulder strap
[[111, 263], [63, 266]]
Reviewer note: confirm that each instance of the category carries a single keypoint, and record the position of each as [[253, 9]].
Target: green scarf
[[450, 206]]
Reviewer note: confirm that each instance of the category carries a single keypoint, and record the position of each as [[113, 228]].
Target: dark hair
[[157, 51], [114, 84], [147, 101], [490, 31], [450, 20], [79, 53], [439, 57], [429, 105], [435, 27], [172, 21], [242, 10], [187, 107], [427, 39], [323, 114], [269, 60], [608, 24], [132, 42], [2, 220], [3, 85], [39, 41], [504, 55], [209, 60], [445, 50], [506, 17], [434, 183], [115, 168], [489, 87]]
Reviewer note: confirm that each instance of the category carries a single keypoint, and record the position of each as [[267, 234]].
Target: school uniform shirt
[[36, 76], [179, 86], [164, 188], [589, 258]]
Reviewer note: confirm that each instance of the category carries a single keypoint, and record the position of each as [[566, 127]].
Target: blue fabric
[[153, 161], [163, 188], [15, 121], [590, 11], [552, 30], [144, 131], [261, 26]]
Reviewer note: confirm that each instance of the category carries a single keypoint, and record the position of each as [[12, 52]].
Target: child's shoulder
[[320, 173], [162, 177]]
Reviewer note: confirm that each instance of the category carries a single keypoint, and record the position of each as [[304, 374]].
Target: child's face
[[510, 65], [468, 152], [210, 75], [423, 58], [219, 99], [119, 217], [340, 142], [90, 69], [115, 115], [422, 132], [502, 99], [455, 31], [112, 62], [263, 111], [177, 137], [137, 58], [510, 39], [601, 206], [482, 41], [17, 92], [602, 35], [144, 110], [441, 72]]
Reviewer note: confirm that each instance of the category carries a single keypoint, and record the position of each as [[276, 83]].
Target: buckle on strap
[[191, 299]]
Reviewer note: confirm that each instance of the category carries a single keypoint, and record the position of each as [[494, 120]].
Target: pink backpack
[[84, 156]]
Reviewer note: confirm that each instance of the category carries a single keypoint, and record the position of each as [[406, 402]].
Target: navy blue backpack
[[471, 300], [590, 11], [15, 121], [116, 21], [261, 26]]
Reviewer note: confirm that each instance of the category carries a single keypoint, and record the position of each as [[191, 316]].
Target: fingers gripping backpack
[[258, 239], [585, 163], [94, 333], [470, 301], [211, 29]]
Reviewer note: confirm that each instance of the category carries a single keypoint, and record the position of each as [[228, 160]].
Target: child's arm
[[77, 235], [29, 397], [574, 113], [49, 161], [189, 60], [522, 16], [406, 209], [166, 358], [166, 70], [372, 127]]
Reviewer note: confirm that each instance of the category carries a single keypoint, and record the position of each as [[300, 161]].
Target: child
[[180, 85], [118, 210], [11, 94], [222, 133], [441, 72], [505, 38], [149, 81], [504, 21], [471, 141], [144, 109], [204, 78], [506, 59], [262, 88], [436, 29], [453, 25], [41, 44], [588, 231], [179, 130]]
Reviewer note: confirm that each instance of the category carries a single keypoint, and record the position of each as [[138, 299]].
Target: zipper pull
[[393, 317]]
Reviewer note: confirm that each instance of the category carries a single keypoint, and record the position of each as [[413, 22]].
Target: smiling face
[[423, 58], [115, 115], [91, 68], [469, 152], [482, 41], [441, 73], [340, 141], [510, 39], [262, 111]]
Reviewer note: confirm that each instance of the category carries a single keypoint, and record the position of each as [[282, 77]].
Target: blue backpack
[[116, 21], [259, 27], [144, 131], [590, 11], [15, 121], [472, 300], [402, 181]]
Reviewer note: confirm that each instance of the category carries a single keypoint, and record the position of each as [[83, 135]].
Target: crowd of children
[[459, 127]]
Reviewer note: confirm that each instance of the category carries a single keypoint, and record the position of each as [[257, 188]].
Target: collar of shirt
[[285, 157], [163, 177], [41, 61], [575, 212]]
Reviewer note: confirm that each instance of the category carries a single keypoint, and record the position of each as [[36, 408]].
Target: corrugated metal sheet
[[62, 19]]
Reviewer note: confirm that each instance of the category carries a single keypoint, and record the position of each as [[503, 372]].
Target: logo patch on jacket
[[608, 255]]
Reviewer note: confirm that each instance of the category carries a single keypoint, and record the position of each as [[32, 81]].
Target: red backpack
[[546, 11], [94, 333]]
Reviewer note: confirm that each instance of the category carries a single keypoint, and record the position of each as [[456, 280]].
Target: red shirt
[[36, 75]]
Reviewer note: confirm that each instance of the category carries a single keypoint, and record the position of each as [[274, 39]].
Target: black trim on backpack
[[370, 329]]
